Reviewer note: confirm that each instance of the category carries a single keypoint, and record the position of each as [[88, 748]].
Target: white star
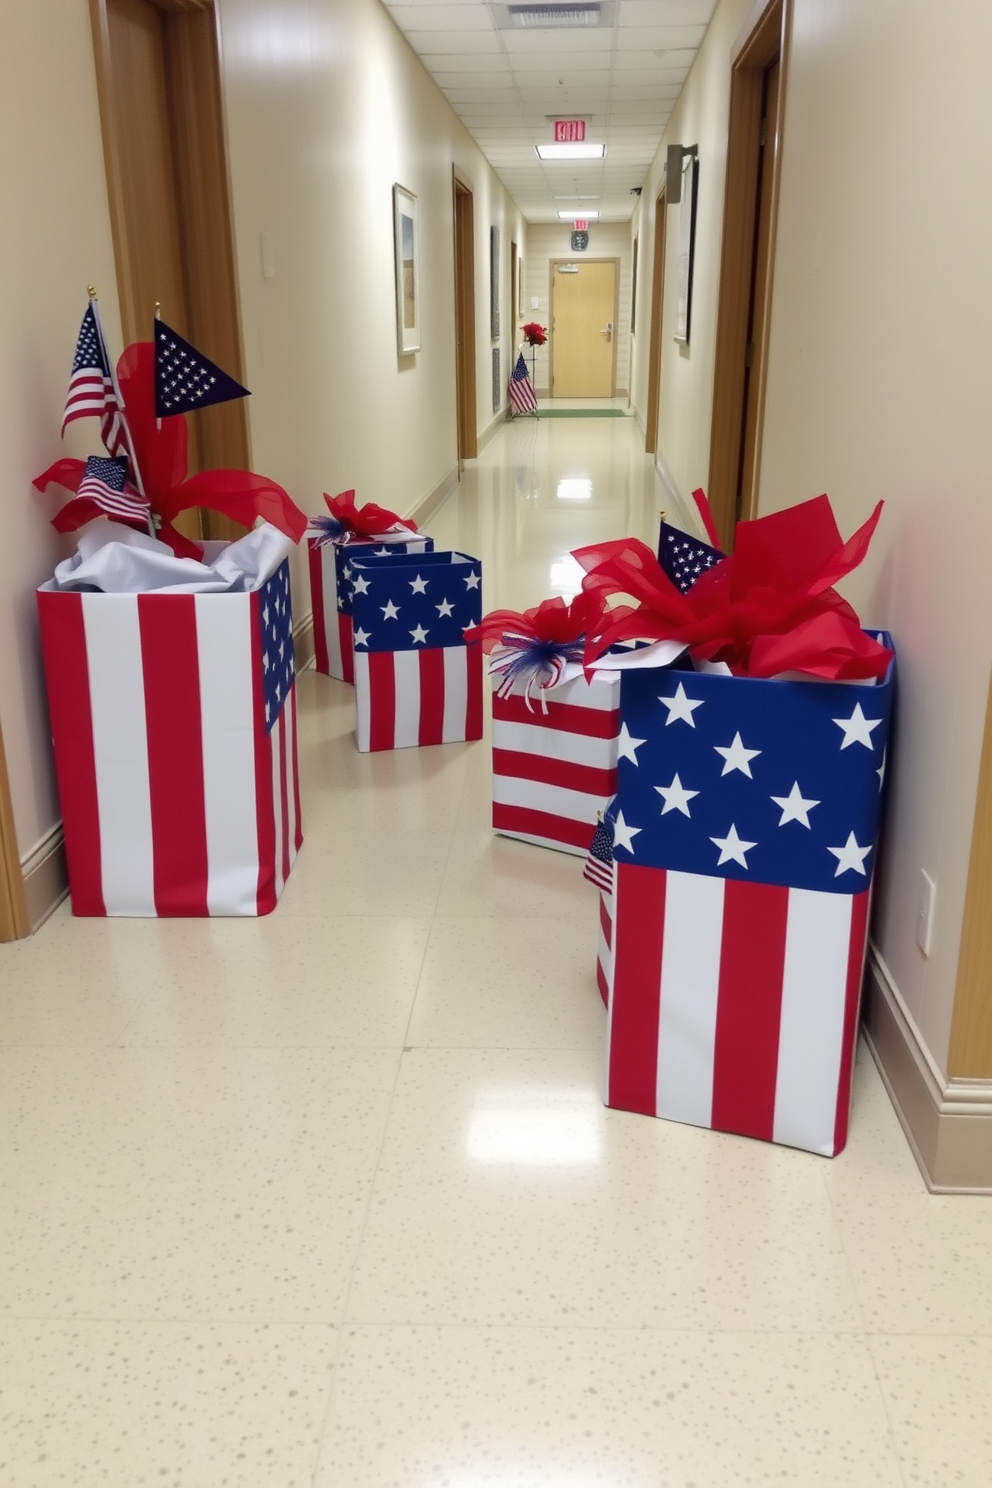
[[265, 661], [419, 636], [383, 552], [444, 608], [732, 849], [418, 585], [680, 707], [267, 712], [850, 856], [360, 586], [880, 772], [627, 746], [676, 796], [623, 836], [340, 601], [389, 610], [794, 807], [346, 571], [736, 757], [265, 615], [361, 637], [857, 728], [472, 581]]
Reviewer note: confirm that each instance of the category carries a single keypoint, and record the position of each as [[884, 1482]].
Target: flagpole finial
[[91, 291], [661, 515], [158, 309]]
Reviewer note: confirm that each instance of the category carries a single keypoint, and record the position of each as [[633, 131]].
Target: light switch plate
[[924, 912]]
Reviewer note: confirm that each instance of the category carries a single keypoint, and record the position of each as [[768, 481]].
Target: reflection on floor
[[330, 1198]]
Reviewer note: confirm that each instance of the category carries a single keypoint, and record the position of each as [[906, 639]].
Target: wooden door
[[657, 316], [468, 438], [757, 330], [583, 327], [158, 70]]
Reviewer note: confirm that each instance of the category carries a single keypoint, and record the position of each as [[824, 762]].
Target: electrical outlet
[[535, 302], [924, 911]]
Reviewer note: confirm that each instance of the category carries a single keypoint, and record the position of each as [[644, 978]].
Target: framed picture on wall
[[687, 245], [497, 381], [520, 289], [494, 282], [406, 247]]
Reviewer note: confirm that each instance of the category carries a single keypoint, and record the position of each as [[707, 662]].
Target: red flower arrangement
[[534, 334]]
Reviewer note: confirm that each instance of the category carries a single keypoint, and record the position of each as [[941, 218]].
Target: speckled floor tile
[[490, 875], [170, 1184], [71, 984], [349, 980], [362, 872], [564, 1408], [937, 1391], [175, 1405], [921, 1262], [505, 1193], [504, 983]]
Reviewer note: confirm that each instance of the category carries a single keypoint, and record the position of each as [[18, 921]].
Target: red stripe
[[635, 1005], [538, 767], [752, 959], [264, 797], [345, 641], [857, 946], [63, 644], [602, 983], [284, 790], [473, 681], [593, 723], [321, 659], [170, 672], [382, 701], [296, 773], [605, 920], [542, 824], [431, 696]]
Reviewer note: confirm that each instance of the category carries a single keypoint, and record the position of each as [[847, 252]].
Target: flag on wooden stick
[[521, 390]]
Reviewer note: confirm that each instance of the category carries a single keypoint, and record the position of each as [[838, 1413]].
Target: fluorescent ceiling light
[[579, 214], [571, 152]]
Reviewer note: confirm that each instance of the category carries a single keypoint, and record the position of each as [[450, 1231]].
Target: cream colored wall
[[55, 240], [546, 241], [878, 386], [327, 107]]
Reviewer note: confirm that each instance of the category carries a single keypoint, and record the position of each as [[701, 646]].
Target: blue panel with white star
[[346, 552], [409, 601], [777, 782], [275, 619]]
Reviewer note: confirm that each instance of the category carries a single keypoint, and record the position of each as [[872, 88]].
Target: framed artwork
[[406, 247], [520, 289], [687, 245], [633, 289], [497, 381], [494, 282]]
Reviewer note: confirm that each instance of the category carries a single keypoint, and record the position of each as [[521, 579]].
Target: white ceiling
[[623, 78]]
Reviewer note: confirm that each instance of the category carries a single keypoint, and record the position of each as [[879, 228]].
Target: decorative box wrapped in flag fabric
[[745, 830], [332, 542], [417, 680], [555, 764], [174, 726]]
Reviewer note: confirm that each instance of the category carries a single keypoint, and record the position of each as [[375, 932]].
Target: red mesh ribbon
[[161, 453], [368, 521], [553, 620], [767, 608]]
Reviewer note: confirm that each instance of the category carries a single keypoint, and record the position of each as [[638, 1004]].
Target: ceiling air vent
[[554, 15]]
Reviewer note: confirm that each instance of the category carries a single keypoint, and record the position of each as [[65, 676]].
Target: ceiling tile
[[449, 41], [666, 12], [442, 17]]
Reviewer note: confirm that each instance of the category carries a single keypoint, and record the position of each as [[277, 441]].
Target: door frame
[[765, 36], [192, 48], [654, 333], [552, 265], [463, 226], [13, 905]]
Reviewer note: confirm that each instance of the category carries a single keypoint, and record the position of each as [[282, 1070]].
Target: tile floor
[[329, 1200]]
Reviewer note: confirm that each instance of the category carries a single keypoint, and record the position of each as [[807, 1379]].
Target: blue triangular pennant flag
[[185, 379]]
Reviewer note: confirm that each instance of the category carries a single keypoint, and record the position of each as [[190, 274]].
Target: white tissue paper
[[118, 559]]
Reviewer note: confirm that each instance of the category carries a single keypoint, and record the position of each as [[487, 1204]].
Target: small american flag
[[92, 393], [104, 484], [684, 558], [521, 390], [185, 379], [599, 862]]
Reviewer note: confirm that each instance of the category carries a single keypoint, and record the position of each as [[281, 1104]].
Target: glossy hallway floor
[[329, 1200]]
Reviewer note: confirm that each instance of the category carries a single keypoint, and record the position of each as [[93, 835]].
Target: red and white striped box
[[734, 1005], [330, 592], [554, 771], [174, 727]]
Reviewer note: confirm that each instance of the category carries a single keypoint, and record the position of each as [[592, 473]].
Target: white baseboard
[[678, 511], [46, 878], [948, 1123], [424, 509]]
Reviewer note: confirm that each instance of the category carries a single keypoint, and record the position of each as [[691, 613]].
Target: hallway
[[267, 1223]]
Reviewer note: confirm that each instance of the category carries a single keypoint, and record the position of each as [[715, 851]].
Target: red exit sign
[[569, 131], [580, 224]]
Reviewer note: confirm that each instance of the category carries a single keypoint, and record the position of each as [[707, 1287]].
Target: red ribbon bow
[[365, 521], [160, 449]]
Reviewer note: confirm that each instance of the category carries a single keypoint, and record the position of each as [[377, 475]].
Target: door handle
[[608, 331]]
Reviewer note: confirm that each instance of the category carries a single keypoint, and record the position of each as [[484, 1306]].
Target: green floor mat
[[581, 413]]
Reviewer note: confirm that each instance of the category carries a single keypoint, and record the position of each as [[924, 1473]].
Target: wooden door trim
[[765, 36], [654, 334], [616, 311], [970, 1052], [13, 905], [463, 210]]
